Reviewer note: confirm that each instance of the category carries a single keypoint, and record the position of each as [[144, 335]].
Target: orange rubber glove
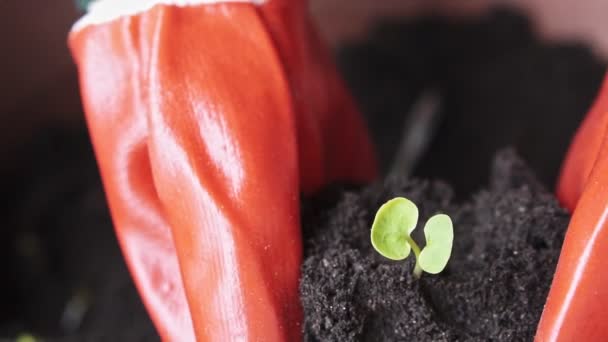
[[208, 120], [577, 305]]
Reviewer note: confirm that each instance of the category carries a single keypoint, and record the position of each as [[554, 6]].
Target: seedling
[[394, 223]]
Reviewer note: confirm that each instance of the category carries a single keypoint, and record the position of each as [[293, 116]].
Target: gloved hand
[[208, 120], [578, 301]]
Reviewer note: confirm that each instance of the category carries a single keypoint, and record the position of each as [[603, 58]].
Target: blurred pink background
[[555, 19], [39, 83]]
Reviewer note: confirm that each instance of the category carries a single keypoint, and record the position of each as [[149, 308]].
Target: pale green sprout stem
[[391, 230], [416, 249]]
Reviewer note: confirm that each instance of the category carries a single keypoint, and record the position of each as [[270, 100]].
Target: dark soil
[[498, 84], [507, 242], [63, 275]]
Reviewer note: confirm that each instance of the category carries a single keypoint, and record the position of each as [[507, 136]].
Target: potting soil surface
[[506, 245]]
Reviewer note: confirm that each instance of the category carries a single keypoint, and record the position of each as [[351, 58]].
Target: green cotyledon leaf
[[393, 224], [439, 234]]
